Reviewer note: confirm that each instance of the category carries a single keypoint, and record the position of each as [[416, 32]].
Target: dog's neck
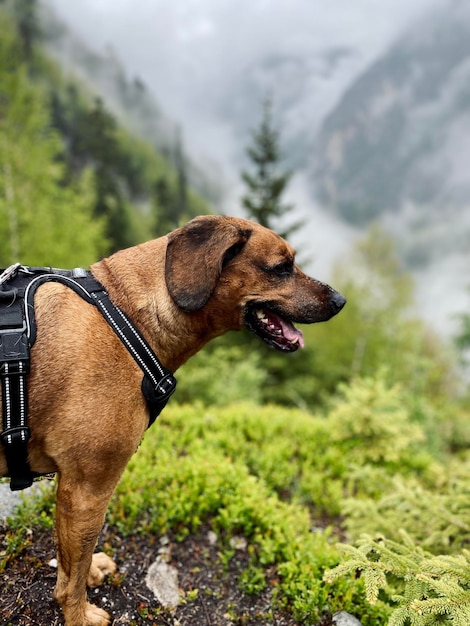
[[135, 281]]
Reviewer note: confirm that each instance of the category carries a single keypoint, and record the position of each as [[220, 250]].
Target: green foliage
[[316, 460], [247, 471], [74, 185], [463, 338], [425, 589], [241, 466], [137, 190], [278, 476], [453, 428], [416, 517], [222, 376], [201, 467], [380, 328], [407, 506], [39, 217], [25, 12], [367, 417]]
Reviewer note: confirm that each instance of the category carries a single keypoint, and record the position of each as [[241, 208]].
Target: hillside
[[128, 98], [397, 144], [77, 182]]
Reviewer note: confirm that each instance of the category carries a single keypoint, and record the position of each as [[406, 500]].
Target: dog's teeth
[[260, 314]]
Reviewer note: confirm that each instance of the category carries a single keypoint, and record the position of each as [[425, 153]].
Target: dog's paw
[[95, 616], [101, 566]]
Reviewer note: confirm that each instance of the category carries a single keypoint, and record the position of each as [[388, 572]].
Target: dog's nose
[[337, 301]]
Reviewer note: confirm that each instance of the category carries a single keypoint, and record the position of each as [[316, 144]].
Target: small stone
[[345, 619], [238, 543], [165, 553], [212, 537], [53, 563], [162, 580]]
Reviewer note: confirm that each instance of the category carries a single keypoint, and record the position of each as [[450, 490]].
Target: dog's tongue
[[291, 333]]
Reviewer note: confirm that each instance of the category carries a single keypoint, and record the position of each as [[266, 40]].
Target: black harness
[[18, 284]]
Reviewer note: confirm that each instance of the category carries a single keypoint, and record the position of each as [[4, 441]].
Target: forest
[[70, 172], [345, 467]]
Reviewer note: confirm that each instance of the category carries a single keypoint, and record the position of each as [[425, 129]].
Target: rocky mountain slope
[[397, 146]]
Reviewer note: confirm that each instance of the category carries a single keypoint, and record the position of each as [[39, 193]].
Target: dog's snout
[[337, 301]]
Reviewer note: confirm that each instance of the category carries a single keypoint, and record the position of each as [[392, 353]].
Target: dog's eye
[[283, 269]]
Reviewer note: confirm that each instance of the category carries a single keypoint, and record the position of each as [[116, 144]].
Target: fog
[[194, 53], [209, 64]]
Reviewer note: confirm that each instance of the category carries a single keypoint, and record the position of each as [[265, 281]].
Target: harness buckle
[[157, 395], [167, 386], [160, 392], [9, 272]]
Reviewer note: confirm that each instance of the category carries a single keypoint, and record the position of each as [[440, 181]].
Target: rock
[[162, 580], [238, 543], [345, 619], [9, 500], [212, 538]]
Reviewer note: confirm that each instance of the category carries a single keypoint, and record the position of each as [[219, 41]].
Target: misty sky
[[192, 53]]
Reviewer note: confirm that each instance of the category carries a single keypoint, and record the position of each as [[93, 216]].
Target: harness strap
[[158, 383], [14, 368], [18, 334], [15, 437]]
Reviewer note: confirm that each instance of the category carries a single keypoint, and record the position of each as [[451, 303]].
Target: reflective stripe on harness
[[18, 284]]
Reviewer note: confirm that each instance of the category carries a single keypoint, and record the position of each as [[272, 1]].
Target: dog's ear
[[196, 254]]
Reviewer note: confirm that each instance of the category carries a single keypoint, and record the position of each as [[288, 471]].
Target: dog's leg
[[81, 508]]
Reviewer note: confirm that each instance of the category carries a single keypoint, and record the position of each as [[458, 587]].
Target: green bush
[[222, 376], [199, 466], [436, 519], [370, 422], [290, 482]]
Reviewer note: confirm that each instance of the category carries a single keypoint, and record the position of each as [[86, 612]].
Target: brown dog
[[86, 410]]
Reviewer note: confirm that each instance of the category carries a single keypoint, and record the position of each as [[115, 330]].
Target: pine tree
[[97, 144], [25, 13], [266, 184]]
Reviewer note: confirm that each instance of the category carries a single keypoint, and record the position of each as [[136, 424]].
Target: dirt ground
[[210, 593]]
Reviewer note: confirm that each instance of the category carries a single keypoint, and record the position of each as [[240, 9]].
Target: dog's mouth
[[274, 329]]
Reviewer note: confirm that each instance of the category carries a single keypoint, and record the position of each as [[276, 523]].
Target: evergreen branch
[[428, 586]]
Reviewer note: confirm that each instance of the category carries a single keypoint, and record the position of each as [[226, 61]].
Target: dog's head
[[237, 273]]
